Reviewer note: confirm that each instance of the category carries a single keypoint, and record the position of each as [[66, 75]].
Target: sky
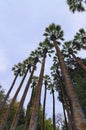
[[22, 24]]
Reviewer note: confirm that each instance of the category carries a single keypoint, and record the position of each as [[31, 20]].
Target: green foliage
[[78, 76], [48, 124], [55, 31], [80, 39], [2, 95], [76, 5]]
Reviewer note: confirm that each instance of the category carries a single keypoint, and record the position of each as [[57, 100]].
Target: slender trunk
[[36, 106], [54, 122], [78, 115], [8, 93], [69, 114], [16, 117], [66, 105], [44, 103], [3, 123], [79, 62], [66, 124], [28, 113]]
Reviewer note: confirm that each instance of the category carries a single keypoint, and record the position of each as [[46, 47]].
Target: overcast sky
[[22, 24]]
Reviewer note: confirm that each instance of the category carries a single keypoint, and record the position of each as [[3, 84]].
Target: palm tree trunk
[[36, 106], [66, 124], [29, 106], [44, 103], [66, 105], [16, 117], [63, 104], [8, 93], [78, 115], [54, 122], [3, 123], [79, 62]]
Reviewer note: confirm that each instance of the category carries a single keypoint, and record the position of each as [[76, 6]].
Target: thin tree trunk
[[66, 124], [36, 106], [29, 106], [8, 93], [66, 104], [44, 103], [16, 117], [54, 122], [79, 62], [78, 115], [3, 123]]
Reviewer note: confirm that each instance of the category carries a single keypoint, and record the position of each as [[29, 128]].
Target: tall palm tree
[[16, 117], [54, 33], [76, 5], [6, 116], [34, 117], [43, 49], [69, 48]]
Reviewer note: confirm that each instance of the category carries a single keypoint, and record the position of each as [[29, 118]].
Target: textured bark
[[44, 103], [16, 117], [36, 106], [78, 115], [66, 105], [8, 93], [54, 122], [6, 116], [29, 106], [66, 124]]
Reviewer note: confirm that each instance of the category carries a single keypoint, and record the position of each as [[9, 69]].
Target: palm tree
[[34, 117], [69, 48], [3, 123], [16, 118], [80, 39], [43, 49], [76, 5], [54, 33]]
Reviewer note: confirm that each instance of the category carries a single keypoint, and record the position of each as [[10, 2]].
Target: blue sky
[[22, 24]]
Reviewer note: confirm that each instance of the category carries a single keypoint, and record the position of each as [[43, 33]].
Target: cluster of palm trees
[[59, 80]]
